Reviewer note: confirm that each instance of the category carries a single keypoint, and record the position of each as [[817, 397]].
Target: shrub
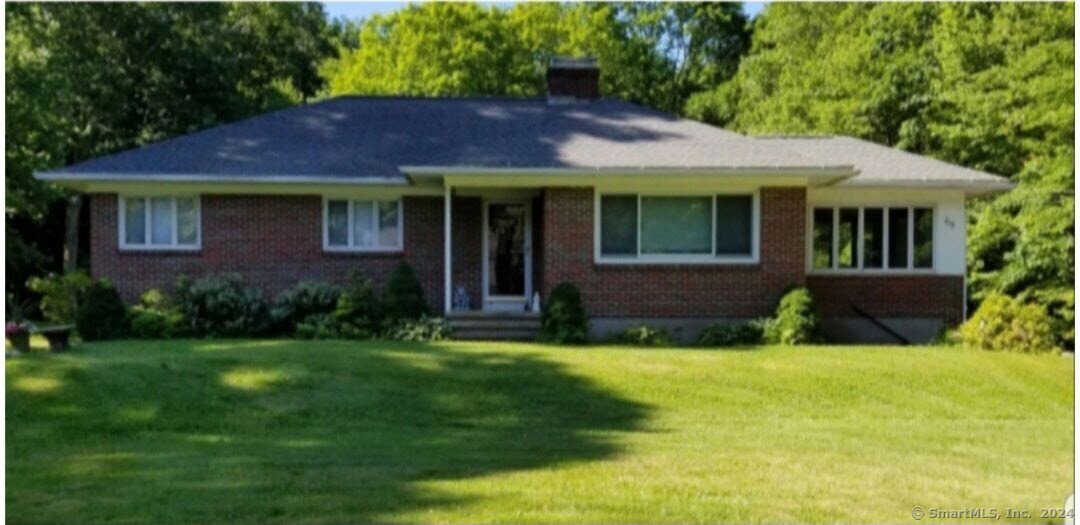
[[1004, 324], [743, 334], [356, 315], [796, 321], [100, 313], [564, 319], [220, 305], [421, 330], [60, 294], [303, 300], [403, 297], [155, 317], [643, 336], [318, 326]]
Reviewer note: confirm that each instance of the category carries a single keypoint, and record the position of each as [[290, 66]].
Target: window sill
[[900, 272], [162, 250], [631, 263], [356, 251]]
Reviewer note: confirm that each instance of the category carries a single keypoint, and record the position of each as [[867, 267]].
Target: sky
[[365, 9]]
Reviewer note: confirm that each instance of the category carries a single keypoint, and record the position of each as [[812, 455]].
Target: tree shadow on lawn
[[275, 431]]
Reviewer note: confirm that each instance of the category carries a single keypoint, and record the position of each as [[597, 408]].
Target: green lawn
[[314, 432]]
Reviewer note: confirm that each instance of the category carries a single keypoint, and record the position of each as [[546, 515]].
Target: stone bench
[[58, 336]]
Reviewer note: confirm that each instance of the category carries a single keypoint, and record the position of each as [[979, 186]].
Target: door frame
[[488, 300]]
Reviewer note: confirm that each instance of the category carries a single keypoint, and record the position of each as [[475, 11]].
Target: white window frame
[[352, 247], [174, 245], [859, 269], [702, 259]]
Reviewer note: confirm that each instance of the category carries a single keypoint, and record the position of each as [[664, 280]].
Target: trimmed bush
[[155, 317], [101, 313], [564, 319], [1004, 324], [422, 330], [796, 321], [744, 334], [221, 306], [303, 300], [403, 298], [643, 336], [318, 326], [356, 315], [60, 294]]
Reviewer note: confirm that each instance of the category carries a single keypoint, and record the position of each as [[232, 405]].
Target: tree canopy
[[655, 54]]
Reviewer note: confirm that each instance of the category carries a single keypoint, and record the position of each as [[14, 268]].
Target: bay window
[[676, 228], [159, 223], [872, 238], [362, 225]]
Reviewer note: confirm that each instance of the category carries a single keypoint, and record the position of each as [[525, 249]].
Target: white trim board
[[351, 246], [174, 245], [487, 298]]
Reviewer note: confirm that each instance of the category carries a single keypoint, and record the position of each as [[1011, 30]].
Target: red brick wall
[[674, 290], [275, 241], [272, 241], [929, 296], [466, 262]]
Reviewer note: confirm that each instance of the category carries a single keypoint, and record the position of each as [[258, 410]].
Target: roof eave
[[76, 179], [817, 175], [969, 187]]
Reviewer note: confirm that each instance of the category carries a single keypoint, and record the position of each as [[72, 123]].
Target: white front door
[[507, 257]]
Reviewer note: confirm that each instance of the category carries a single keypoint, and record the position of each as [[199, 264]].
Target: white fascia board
[[453, 175], [389, 188], [969, 187], [439, 171], [243, 179]]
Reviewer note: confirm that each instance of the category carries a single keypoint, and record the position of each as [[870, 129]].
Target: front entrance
[[507, 257]]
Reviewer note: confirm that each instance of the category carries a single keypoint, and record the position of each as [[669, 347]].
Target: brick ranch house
[[656, 219]]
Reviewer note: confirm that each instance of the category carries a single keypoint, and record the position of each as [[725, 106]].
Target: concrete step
[[510, 324], [491, 314], [495, 326], [496, 335]]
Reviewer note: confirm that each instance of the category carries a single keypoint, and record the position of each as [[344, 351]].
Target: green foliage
[[60, 294], [155, 317], [655, 54], [325, 326], [643, 335], [425, 329], [432, 49], [84, 80], [795, 322], [564, 318], [1021, 244], [358, 312], [988, 86], [403, 298], [740, 334], [1005, 324], [305, 299], [221, 306], [101, 313]]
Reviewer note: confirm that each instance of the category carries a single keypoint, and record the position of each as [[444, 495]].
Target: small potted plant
[[17, 330], [18, 334]]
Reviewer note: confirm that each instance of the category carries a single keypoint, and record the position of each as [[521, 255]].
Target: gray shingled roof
[[880, 165], [373, 137]]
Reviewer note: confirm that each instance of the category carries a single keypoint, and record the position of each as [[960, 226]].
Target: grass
[[318, 432]]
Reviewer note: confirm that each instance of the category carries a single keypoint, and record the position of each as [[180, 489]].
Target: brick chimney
[[573, 79]]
